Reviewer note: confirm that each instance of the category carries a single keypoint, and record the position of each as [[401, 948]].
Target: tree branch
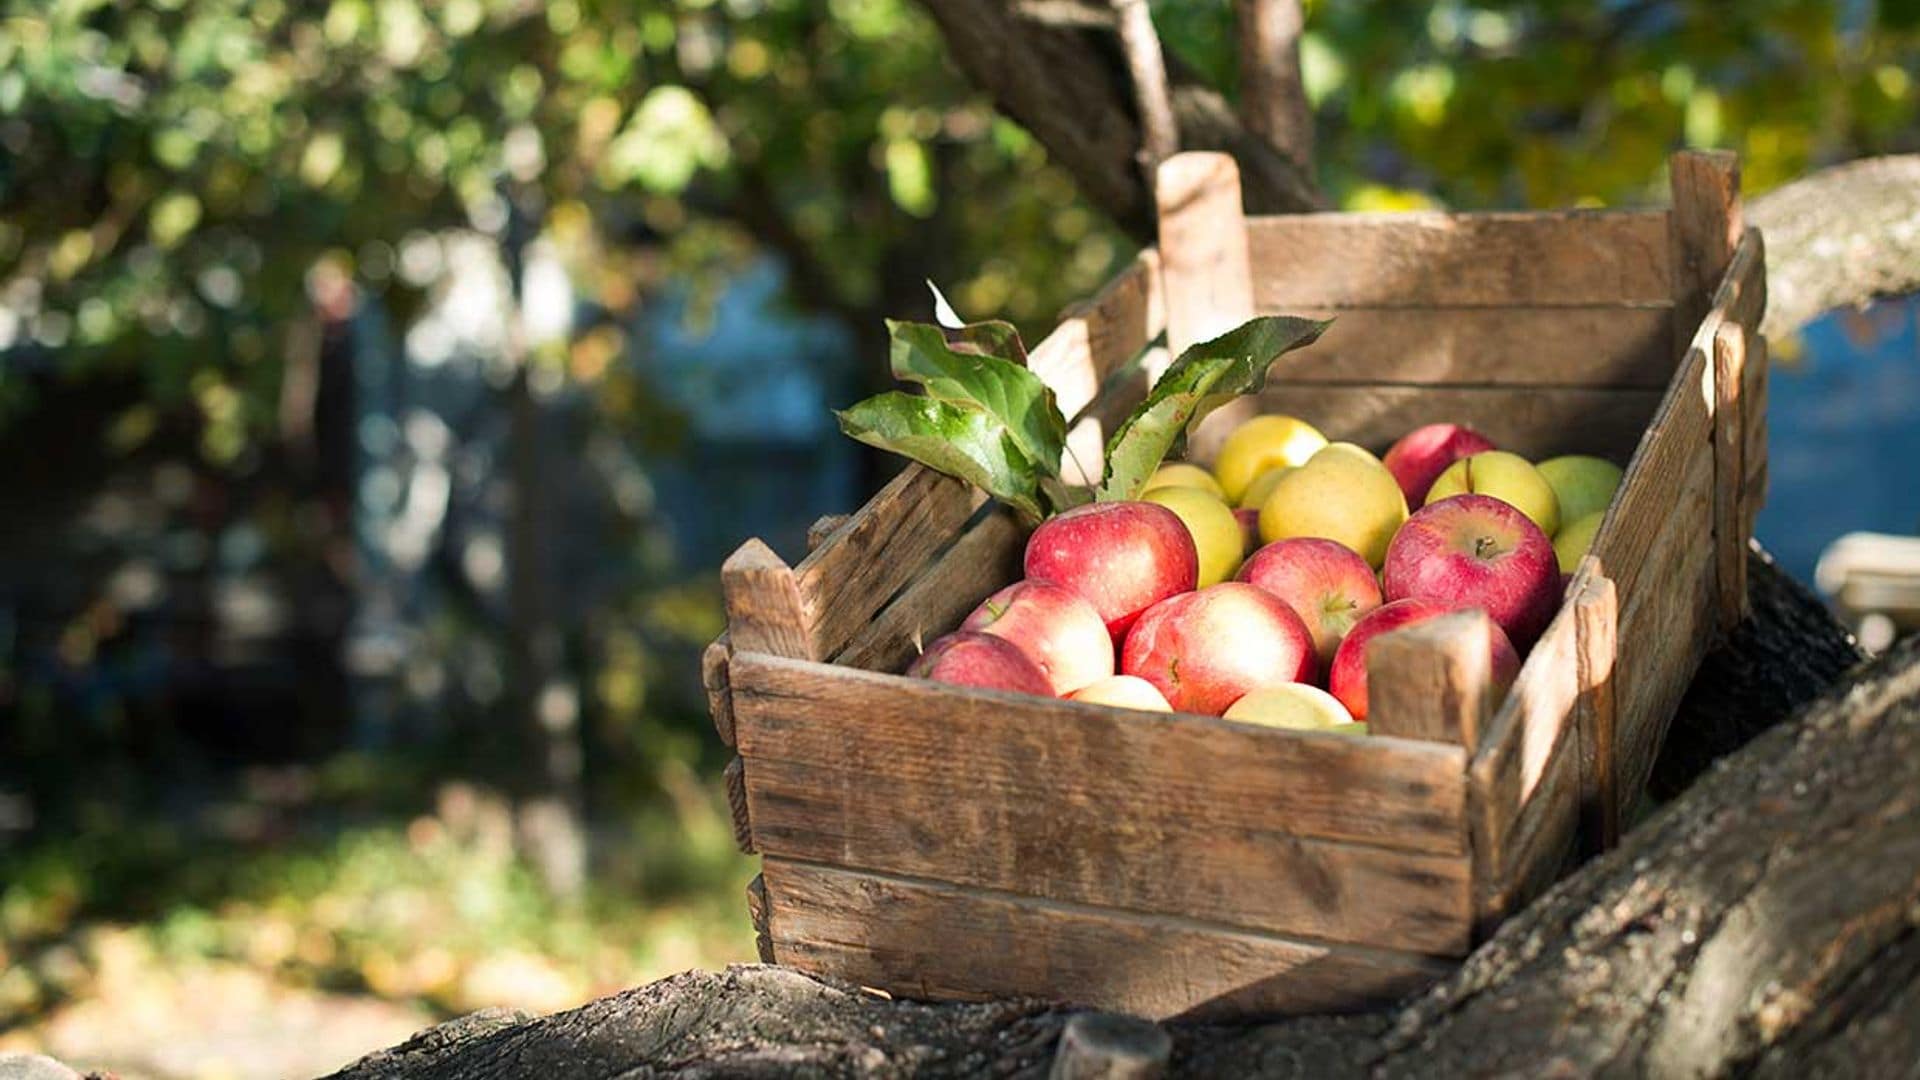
[[1273, 98], [1839, 238], [1140, 43]]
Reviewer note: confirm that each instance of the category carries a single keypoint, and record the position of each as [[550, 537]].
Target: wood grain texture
[[1543, 835], [1101, 336], [1460, 260], [1536, 422], [713, 678], [1432, 680], [1142, 855], [1729, 476], [882, 546], [823, 528], [1601, 346], [925, 940], [766, 611], [1388, 792], [735, 779], [757, 915], [985, 558], [1703, 229], [1596, 608], [1753, 495], [1206, 269], [1676, 447]]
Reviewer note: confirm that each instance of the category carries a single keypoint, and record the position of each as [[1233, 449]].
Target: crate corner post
[[1206, 268]]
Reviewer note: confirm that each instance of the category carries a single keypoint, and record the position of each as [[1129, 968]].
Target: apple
[[1324, 582], [1181, 474], [1347, 678], [1343, 494], [1054, 626], [1297, 706], [1123, 692], [1424, 453], [1476, 551], [1206, 650], [970, 658], [1217, 539], [1249, 528], [1576, 539], [1123, 557], [1582, 484], [1507, 477], [1262, 487], [1262, 443]]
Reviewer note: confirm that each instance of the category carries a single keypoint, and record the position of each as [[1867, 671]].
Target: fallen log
[[1763, 921]]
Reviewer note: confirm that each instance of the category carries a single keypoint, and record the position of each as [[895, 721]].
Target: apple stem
[[1484, 546]]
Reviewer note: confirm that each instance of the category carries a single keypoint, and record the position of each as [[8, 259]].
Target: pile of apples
[[1251, 591]]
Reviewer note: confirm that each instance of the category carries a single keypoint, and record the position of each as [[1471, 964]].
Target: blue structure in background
[[1843, 434]]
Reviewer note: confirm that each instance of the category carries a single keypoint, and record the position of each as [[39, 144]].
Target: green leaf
[[968, 374], [1205, 377], [955, 438]]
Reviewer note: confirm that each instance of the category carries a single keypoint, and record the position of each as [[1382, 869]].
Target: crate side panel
[[1429, 259], [1675, 450], [985, 558], [1137, 856], [1394, 793], [924, 940], [1533, 421], [1608, 347]]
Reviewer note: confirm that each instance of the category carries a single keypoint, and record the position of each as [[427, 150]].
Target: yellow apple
[[1507, 477], [1216, 532], [1576, 539], [1339, 496], [1123, 692], [1348, 454], [1583, 484], [1262, 487], [1262, 443], [1294, 705], [1181, 474]]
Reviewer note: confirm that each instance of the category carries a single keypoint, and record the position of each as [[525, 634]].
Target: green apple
[[1507, 477], [1294, 705], [1576, 539], [1582, 483]]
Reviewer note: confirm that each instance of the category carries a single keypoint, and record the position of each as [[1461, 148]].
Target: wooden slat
[[765, 609], [1754, 492], [1729, 477], [757, 913], [1432, 681], [1142, 855], [735, 778], [1206, 269], [985, 558], [1703, 229], [823, 528], [881, 547], [1389, 792], [1103, 335], [713, 678], [1596, 615], [925, 940], [1533, 421], [1447, 260], [1677, 444], [1543, 834], [1614, 347]]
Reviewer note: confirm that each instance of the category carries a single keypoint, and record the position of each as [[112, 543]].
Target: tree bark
[[1714, 940], [1839, 238], [1273, 98]]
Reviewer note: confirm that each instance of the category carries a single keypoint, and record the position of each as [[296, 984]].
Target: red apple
[[1205, 650], [1123, 557], [1474, 551], [1057, 629], [1325, 583], [1347, 678], [970, 658], [1249, 519], [1424, 453]]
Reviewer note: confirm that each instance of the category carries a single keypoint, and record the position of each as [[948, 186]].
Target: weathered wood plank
[[713, 678], [1601, 346], [1753, 494], [1206, 267], [925, 940], [735, 779], [881, 547], [757, 915], [1432, 681], [1703, 230], [986, 557], [1533, 421], [823, 528], [766, 611], [1729, 476], [1440, 259], [1099, 337], [1389, 792], [1596, 606], [1543, 833], [1141, 855], [1677, 444]]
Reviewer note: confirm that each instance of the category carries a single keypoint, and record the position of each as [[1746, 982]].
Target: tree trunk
[[1839, 238], [1713, 941]]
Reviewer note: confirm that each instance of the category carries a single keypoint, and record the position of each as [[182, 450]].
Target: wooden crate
[[943, 842]]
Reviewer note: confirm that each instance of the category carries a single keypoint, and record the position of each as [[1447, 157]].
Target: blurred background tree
[[385, 379]]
